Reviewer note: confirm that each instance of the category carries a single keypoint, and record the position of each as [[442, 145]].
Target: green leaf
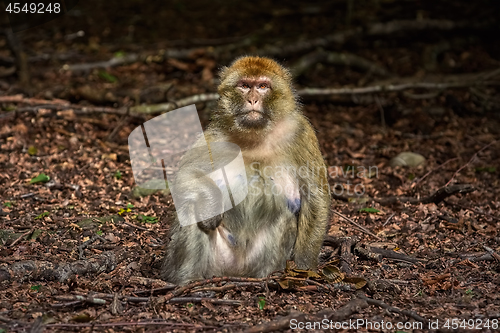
[[130, 206], [36, 288], [148, 219], [2, 330], [41, 178], [118, 175], [99, 232], [44, 214], [189, 305], [262, 303], [411, 176], [486, 169], [119, 54], [108, 77], [7, 204], [369, 210], [32, 150]]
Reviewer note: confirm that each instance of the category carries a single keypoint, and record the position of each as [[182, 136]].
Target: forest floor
[[80, 248]]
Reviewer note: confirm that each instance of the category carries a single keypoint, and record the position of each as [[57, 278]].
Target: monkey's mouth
[[253, 119], [254, 115]]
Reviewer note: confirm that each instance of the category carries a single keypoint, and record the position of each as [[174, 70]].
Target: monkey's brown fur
[[260, 234]]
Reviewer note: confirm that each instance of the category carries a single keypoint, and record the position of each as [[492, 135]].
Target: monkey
[[286, 210]]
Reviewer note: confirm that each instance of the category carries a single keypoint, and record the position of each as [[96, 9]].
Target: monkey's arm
[[197, 196], [314, 207]]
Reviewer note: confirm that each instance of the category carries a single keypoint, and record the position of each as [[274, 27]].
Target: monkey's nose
[[253, 102]]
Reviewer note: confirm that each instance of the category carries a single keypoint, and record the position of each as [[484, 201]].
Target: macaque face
[[254, 91]]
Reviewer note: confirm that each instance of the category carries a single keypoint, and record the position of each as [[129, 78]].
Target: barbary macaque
[[285, 213]]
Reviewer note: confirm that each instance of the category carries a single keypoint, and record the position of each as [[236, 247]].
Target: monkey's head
[[255, 93]]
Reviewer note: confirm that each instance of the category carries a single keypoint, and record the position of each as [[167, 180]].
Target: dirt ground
[[414, 246]]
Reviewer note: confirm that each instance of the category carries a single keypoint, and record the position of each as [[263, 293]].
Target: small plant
[[36, 288], [147, 219], [369, 210], [118, 174], [41, 178], [262, 302], [7, 204], [44, 214], [128, 209]]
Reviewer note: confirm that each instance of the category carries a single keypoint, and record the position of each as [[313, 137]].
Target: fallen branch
[[99, 299], [32, 101], [62, 272], [492, 253], [408, 313], [335, 58], [478, 257], [352, 307], [436, 197], [140, 110], [182, 289], [165, 107], [341, 37], [346, 256], [392, 88], [388, 254], [158, 322]]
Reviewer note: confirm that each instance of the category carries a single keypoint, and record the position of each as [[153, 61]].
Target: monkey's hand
[[211, 223]]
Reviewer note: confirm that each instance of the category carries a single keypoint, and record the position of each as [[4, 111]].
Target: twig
[[390, 254], [352, 307], [476, 258], [62, 272], [164, 107], [357, 225], [470, 161], [135, 226], [115, 61], [435, 169], [138, 323], [181, 290], [436, 197], [346, 256], [388, 219], [20, 237], [228, 286], [408, 313], [492, 252], [32, 101], [140, 111]]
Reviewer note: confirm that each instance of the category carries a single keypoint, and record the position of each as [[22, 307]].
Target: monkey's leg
[[189, 255]]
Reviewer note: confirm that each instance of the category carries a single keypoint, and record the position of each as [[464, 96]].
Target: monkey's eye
[[262, 86], [244, 85]]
